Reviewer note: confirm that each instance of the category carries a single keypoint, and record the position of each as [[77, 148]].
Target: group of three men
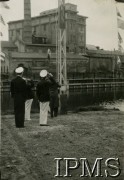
[[47, 93]]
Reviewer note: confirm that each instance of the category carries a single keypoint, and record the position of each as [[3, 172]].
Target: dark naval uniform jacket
[[18, 93], [42, 90], [54, 98], [30, 86]]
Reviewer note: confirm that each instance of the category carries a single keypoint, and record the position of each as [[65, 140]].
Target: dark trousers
[[54, 103], [19, 110], [54, 111]]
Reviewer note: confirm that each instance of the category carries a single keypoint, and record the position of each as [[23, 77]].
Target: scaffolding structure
[[61, 47]]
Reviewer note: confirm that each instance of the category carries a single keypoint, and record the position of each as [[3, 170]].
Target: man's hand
[[49, 74]]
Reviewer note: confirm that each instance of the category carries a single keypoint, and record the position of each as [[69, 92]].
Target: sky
[[101, 24]]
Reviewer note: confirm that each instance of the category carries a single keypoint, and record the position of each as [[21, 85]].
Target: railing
[[80, 83], [95, 75], [95, 85], [95, 80]]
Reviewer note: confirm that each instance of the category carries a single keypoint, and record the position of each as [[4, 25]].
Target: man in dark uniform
[[54, 98], [18, 93]]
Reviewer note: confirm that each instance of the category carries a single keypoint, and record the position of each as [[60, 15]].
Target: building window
[[73, 38], [34, 29], [12, 33], [4, 69], [44, 27], [37, 29], [18, 31], [81, 38], [7, 70], [71, 25], [81, 28], [34, 63]]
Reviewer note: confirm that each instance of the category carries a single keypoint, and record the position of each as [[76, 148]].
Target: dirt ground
[[28, 153]]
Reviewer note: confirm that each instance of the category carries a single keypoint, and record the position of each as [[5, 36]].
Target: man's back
[[43, 90], [18, 86]]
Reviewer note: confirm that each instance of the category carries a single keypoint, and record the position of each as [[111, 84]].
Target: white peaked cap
[[19, 70], [43, 73]]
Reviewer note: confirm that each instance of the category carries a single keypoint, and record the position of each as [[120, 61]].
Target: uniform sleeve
[[24, 89], [58, 85], [53, 81], [30, 83]]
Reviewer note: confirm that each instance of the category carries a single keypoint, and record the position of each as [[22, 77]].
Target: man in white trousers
[[43, 95], [29, 98]]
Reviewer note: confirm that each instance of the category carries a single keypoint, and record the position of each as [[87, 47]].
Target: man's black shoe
[[44, 125]]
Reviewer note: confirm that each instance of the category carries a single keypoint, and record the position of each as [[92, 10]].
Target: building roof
[[27, 55], [55, 10], [18, 55], [20, 20], [47, 12], [104, 53], [51, 11], [85, 17], [40, 45], [91, 47], [8, 44]]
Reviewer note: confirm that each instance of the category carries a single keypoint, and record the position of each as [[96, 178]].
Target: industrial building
[[30, 39], [42, 29]]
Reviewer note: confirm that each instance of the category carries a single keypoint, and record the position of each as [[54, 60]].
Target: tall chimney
[[27, 28]]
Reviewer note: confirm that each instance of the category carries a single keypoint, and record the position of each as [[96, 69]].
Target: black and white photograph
[[62, 89]]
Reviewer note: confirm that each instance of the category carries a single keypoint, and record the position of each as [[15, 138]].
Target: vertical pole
[[62, 69], [61, 54]]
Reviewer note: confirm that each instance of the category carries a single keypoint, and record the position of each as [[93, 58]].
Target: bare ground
[[28, 153]]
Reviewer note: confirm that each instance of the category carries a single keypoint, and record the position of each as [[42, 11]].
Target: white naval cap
[[43, 73], [19, 70]]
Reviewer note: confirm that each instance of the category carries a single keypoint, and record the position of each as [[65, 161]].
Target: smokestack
[[27, 28]]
